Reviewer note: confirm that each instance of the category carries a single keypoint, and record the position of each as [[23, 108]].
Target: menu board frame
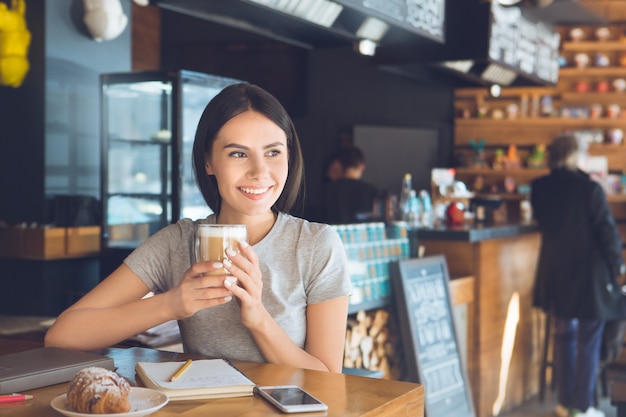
[[423, 17], [431, 350], [528, 47]]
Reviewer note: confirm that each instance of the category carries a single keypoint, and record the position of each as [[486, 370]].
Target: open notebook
[[206, 378]]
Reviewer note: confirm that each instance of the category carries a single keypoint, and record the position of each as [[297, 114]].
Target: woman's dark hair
[[230, 102]]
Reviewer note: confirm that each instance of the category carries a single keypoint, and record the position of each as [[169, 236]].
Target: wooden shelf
[[544, 121], [509, 92], [592, 72], [616, 198], [594, 97], [528, 132], [527, 173], [594, 46]]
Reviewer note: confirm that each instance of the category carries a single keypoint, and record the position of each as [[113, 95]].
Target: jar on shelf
[[613, 111], [601, 60], [602, 86], [577, 34], [582, 87], [619, 85], [603, 34], [595, 111], [615, 136], [581, 60]]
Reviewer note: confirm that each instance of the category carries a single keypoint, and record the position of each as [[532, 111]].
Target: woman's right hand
[[197, 291]]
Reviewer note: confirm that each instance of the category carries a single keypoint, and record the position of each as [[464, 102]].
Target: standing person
[[349, 199], [579, 262], [334, 170], [292, 297]]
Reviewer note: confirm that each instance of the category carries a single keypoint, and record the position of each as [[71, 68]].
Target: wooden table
[[346, 395]]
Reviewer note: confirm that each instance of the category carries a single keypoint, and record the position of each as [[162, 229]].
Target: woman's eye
[[274, 153], [237, 155]]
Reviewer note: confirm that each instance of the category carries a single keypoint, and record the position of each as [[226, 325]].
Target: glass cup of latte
[[213, 240]]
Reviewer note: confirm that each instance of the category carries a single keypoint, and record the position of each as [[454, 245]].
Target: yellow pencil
[[180, 370]]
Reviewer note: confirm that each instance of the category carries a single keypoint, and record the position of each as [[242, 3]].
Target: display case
[[149, 120]]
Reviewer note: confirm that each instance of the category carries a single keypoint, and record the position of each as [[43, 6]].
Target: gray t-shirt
[[301, 262]]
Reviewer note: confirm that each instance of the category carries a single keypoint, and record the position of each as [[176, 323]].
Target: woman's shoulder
[[305, 229], [303, 226]]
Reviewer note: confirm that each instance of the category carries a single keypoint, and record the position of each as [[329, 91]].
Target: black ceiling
[[246, 21]]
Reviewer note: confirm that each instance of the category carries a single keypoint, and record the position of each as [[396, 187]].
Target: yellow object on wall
[[14, 43]]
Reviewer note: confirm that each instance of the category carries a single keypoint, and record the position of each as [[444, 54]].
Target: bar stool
[[547, 361]]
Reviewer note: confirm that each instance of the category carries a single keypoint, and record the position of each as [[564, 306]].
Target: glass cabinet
[[148, 128]]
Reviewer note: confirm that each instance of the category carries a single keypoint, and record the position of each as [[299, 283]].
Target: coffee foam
[[238, 233]]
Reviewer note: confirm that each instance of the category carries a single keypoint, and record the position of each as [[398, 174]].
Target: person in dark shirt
[[579, 262], [349, 199]]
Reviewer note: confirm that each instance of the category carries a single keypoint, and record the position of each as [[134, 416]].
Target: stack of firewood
[[373, 343]]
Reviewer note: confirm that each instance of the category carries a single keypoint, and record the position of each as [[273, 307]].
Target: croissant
[[97, 390]]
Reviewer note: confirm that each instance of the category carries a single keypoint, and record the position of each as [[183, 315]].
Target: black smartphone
[[291, 399]]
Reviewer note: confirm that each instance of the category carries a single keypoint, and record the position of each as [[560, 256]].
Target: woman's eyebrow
[[238, 146]]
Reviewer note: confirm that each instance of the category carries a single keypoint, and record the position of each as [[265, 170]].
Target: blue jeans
[[576, 356]]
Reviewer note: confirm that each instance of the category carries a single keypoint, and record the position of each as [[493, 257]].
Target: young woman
[[290, 304]]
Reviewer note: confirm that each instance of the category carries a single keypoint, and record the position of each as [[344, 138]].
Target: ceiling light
[[366, 47], [495, 90], [508, 2]]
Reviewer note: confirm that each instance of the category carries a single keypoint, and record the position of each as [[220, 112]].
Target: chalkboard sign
[[531, 48], [424, 17], [431, 350]]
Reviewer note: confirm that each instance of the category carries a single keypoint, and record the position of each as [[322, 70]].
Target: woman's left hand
[[245, 267]]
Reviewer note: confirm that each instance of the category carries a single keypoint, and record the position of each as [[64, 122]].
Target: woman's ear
[[207, 168]]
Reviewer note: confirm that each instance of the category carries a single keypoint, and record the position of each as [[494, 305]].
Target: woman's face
[[249, 159]]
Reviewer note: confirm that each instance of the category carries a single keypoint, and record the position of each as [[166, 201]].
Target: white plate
[[143, 402]]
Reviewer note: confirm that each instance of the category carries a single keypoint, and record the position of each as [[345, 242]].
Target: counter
[[502, 260], [476, 232]]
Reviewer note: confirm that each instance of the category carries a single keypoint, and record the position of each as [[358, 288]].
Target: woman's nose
[[258, 167]]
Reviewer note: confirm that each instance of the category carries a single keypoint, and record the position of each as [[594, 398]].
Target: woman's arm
[[326, 333], [116, 308], [326, 321], [113, 311], [605, 230]]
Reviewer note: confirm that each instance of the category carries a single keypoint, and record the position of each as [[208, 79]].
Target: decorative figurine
[[512, 159], [537, 158], [479, 183], [498, 159], [509, 184], [479, 150], [481, 111]]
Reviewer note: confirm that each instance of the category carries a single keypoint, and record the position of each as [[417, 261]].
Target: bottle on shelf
[[405, 196], [414, 215], [428, 215]]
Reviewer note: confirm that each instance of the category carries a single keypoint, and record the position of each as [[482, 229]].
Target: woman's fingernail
[[230, 252], [227, 263], [217, 265], [228, 298], [231, 280], [243, 243]]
